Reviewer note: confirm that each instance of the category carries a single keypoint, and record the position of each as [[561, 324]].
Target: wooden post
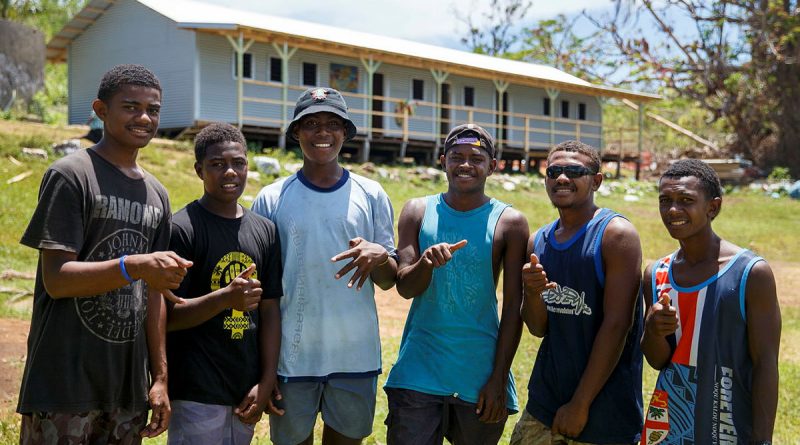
[[501, 86], [240, 47], [404, 145], [371, 66], [553, 95], [527, 142], [285, 54], [439, 77], [640, 141]]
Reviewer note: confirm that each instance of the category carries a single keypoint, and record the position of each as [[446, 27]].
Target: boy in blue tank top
[[451, 379], [713, 324], [581, 290]]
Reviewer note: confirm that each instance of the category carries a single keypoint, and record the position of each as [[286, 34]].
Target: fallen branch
[[13, 274], [19, 177]]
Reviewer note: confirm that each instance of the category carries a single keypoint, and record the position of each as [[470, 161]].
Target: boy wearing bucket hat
[[452, 247], [337, 238]]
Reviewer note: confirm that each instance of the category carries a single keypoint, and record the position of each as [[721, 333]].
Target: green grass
[[768, 226]]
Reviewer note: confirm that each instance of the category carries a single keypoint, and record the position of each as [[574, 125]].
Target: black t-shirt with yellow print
[[217, 362]]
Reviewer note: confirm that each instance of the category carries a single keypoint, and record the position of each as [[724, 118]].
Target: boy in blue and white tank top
[[713, 325], [581, 296], [451, 379]]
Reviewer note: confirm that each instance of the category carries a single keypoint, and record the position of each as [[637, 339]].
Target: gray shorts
[[417, 418], [347, 406], [206, 424]]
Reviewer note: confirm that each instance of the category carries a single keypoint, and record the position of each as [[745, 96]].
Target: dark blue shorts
[[424, 419]]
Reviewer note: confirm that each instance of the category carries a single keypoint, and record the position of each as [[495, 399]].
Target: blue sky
[[427, 21]]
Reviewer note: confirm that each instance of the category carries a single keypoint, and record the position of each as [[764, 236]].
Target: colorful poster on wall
[[344, 78]]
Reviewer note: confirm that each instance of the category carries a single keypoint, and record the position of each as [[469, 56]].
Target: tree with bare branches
[[739, 62]]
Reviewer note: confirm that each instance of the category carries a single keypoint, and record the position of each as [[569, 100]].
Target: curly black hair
[[580, 147], [128, 74], [709, 180], [213, 134]]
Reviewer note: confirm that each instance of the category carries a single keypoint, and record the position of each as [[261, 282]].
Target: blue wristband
[[122, 269]]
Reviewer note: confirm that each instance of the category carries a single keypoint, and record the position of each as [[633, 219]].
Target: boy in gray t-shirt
[[101, 226], [330, 347]]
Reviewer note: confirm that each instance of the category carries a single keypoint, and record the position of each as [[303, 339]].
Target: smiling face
[[321, 136], [130, 116], [467, 168], [224, 172], [568, 193], [685, 208]]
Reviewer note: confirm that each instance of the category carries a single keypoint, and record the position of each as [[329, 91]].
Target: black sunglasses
[[570, 171]]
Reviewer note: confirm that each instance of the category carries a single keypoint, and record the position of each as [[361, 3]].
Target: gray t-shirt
[[90, 353]]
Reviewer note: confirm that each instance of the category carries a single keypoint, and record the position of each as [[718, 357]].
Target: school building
[[222, 64]]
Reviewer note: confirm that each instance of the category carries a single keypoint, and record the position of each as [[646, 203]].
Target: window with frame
[[247, 66], [417, 89], [565, 109], [582, 111], [469, 96], [546, 106], [275, 69], [309, 74]]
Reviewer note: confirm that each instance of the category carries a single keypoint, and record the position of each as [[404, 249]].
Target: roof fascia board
[[345, 50]]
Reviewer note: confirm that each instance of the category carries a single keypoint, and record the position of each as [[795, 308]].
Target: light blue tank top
[[450, 336]]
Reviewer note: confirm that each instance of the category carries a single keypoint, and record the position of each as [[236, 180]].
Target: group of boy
[[272, 309]]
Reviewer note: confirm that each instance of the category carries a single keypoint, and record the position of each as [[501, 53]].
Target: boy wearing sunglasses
[[581, 290], [451, 379]]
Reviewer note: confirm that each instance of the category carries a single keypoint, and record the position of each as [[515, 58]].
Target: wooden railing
[[409, 116]]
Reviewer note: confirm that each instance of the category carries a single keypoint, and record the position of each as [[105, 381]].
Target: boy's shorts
[[417, 418], [118, 426], [205, 424], [347, 406], [529, 431]]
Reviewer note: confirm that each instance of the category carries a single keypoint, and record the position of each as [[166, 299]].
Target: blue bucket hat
[[318, 100]]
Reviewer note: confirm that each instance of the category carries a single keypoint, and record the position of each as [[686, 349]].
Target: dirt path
[[13, 335]]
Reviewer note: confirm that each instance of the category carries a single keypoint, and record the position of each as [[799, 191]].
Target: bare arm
[[534, 282], [513, 228], [259, 397], [415, 268], [64, 276], [242, 293], [764, 336], [661, 320], [413, 276], [622, 260], [157, 351]]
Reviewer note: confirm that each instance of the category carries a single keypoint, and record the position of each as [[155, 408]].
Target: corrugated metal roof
[[203, 16]]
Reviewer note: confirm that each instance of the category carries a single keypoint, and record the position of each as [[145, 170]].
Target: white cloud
[[427, 21]]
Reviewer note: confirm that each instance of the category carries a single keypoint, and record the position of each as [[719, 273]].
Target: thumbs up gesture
[[440, 254], [662, 318], [244, 293], [534, 278]]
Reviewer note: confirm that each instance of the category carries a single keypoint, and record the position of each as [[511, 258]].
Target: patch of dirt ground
[[13, 338]]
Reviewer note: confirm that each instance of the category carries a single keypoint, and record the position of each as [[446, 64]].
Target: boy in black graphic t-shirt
[[101, 227], [224, 340]]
